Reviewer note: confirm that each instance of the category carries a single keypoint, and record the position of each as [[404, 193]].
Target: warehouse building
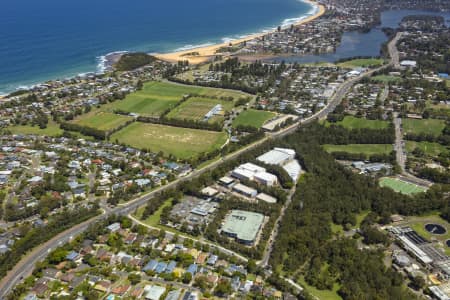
[[242, 174], [266, 198], [294, 169], [226, 181], [277, 156], [245, 190], [243, 226], [266, 179], [284, 158], [252, 172]]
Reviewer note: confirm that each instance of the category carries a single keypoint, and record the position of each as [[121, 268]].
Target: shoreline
[[205, 53]]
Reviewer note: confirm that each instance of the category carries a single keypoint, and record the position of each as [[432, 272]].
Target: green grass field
[[426, 126], [101, 120], [401, 186], [386, 79], [51, 130], [183, 143], [363, 62], [157, 97], [431, 149], [368, 149], [252, 117], [195, 108], [353, 122], [153, 99]]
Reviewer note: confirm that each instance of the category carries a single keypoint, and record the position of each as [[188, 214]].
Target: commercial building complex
[[284, 158], [252, 172], [243, 226]]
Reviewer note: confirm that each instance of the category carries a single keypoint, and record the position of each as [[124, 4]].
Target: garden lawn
[[401, 186], [101, 120], [425, 126], [350, 122], [368, 149], [184, 143], [253, 118], [195, 108]]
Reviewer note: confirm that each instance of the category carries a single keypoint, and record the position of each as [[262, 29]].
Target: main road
[[26, 264]]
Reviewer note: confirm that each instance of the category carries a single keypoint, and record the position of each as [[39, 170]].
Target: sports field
[[353, 123], [157, 97], [368, 149], [253, 118], [183, 143], [101, 120], [362, 62], [431, 149], [195, 108], [401, 186], [425, 126]]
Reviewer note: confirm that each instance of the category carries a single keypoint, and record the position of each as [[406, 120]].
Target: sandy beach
[[204, 54]]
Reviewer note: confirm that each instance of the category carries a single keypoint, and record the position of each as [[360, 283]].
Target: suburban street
[[26, 264], [399, 149], [268, 250]]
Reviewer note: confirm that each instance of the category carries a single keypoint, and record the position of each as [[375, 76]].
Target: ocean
[[50, 39]]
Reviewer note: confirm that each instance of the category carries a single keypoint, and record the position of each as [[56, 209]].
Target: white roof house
[[154, 292], [408, 63]]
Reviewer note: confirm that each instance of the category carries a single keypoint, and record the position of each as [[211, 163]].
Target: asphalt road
[[26, 264], [399, 149]]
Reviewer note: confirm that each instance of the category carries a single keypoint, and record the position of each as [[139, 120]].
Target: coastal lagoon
[[363, 44], [49, 39]]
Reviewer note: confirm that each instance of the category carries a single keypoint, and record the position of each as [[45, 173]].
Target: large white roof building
[[277, 156]]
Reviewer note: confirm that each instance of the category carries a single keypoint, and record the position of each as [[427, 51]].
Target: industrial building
[[209, 191], [284, 158], [438, 293], [277, 156], [243, 226], [266, 179], [245, 190], [266, 198], [226, 181], [252, 172]]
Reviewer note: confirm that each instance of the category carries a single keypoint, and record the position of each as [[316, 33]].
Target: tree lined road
[[26, 265]]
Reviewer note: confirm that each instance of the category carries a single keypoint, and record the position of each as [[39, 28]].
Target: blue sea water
[[49, 39]]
